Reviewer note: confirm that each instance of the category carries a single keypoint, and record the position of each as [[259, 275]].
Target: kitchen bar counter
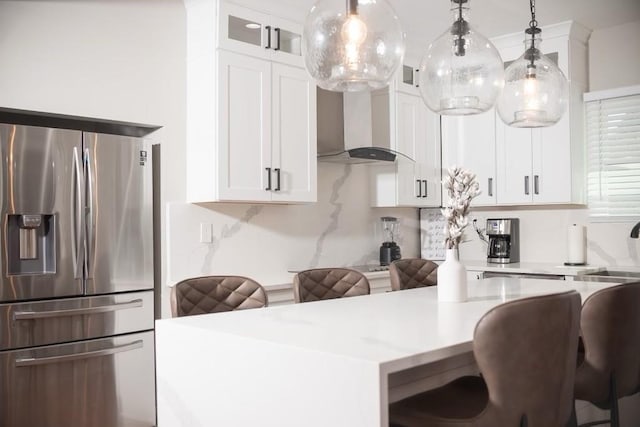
[[532, 268], [326, 363]]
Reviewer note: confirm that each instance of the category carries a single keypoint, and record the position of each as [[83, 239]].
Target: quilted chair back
[[412, 273], [328, 283], [214, 294]]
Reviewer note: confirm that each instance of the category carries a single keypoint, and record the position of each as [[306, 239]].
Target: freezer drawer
[[38, 323], [107, 382]]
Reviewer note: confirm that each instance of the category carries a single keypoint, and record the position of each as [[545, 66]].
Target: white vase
[[452, 279]]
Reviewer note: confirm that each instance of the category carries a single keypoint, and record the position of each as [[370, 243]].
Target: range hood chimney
[[353, 127]]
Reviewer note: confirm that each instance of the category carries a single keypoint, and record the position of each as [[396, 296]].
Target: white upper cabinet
[[546, 165], [470, 142], [251, 116], [259, 34], [413, 131], [517, 166]]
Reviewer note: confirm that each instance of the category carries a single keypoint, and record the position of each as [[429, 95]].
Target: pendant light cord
[[533, 30]]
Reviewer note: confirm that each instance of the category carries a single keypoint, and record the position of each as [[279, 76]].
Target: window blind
[[613, 157]]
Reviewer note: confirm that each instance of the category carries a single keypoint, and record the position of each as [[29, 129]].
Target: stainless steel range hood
[[353, 127]]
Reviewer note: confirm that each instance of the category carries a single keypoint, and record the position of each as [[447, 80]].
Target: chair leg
[[573, 420], [523, 421], [614, 414], [613, 402]]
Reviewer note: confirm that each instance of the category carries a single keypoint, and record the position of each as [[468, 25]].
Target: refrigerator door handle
[[77, 215], [90, 227], [31, 361], [30, 315]]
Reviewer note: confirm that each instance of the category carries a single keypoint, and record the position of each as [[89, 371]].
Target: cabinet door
[[294, 135], [244, 30], [470, 142], [410, 138], [286, 41], [514, 154], [552, 165], [407, 78], [429, 157], [244, 128]]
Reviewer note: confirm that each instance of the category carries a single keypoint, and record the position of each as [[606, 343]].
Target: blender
[[389, 250]]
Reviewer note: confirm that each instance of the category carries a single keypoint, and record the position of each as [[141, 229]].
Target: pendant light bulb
[[461, 72], [354, 33], [352, 47], [536, 91]]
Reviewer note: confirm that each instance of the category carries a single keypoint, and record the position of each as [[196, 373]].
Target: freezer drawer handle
[[30, 361], [29, 315]]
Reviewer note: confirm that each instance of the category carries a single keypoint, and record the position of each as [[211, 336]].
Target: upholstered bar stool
[[609, 367], [412, 273], [214, 294], [525, 350], [328, 283]]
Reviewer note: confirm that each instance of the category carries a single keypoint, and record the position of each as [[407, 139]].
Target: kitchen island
[[328, 363]]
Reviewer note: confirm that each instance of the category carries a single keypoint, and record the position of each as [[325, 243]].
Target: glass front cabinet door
[[258, 34]]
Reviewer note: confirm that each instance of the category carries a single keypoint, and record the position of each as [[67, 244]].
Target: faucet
[[635, 231]]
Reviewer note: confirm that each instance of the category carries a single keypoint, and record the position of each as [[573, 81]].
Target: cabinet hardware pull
[[277, 170], [268, 28], [268, 179], [277, 30], [426, 192], [419, 188], [536, 184], [32, 361], [526, 185], [416, 79], [490, 185], [31, 315]]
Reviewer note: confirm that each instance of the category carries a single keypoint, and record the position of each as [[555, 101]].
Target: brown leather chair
[[525, 350], [609, 367], [328, 283], [412, 273], [214, 294]]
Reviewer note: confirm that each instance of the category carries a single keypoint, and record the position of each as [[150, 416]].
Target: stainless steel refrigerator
[[76, 285]]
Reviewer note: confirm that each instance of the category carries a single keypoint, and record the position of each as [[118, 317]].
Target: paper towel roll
[[576, 244]]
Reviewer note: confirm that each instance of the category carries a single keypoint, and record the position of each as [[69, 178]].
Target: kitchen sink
[[611, 276]]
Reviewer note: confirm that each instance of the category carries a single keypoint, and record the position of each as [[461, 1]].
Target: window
[[613, 154]]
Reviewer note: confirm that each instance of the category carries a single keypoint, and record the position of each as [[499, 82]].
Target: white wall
[[614, 57], [111, 59]]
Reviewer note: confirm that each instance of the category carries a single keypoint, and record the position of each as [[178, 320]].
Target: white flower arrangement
[[462, 186]]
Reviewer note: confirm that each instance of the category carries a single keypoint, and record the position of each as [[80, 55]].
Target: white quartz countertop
[[281, 358], [386, 329], [534, 268]]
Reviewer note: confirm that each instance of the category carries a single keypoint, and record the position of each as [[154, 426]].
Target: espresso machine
[[389, 250], [504, 240]]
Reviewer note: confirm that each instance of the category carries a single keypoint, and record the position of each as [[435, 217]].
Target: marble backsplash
[[543, 236], [265, 241]]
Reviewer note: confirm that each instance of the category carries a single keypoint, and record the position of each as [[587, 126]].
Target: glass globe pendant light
[[352, 46], [536, 92], [462, 72]]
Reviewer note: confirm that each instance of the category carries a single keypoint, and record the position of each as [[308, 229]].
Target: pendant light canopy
[[352, 46], [536, 92], [461, 72]]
